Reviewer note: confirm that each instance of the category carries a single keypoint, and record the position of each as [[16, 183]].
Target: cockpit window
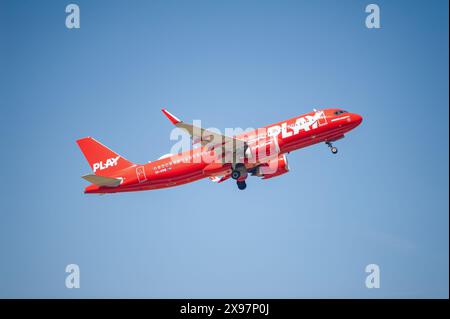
[[340, 112]]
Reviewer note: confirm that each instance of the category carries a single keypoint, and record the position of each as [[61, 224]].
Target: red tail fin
[[103, 161]]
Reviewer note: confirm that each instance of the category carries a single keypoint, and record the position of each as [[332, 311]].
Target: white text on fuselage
[[304, 123]]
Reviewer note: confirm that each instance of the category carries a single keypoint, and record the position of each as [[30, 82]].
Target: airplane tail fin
[[103, 161]]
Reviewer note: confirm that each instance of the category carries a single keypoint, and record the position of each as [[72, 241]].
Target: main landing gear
[[333, 149], [235, 174], [239, 173], [242, 185]]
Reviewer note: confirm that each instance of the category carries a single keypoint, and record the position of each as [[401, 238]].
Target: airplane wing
[[207, 137], [197, 133], [217, 179], [102, 181]]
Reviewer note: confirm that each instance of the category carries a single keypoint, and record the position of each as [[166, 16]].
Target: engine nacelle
[[262, 150], [273, 168]]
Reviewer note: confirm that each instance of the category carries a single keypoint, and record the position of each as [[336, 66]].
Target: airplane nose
[[357, 119]]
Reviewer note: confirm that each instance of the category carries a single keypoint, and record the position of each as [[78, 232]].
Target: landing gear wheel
[[235, 174], [241, 185], [333, 149]]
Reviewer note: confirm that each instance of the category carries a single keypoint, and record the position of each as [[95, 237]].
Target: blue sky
[[307, 234]]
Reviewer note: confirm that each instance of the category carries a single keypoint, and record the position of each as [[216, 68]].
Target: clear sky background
[[310, 233]]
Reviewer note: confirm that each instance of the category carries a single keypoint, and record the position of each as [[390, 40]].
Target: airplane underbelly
[[312, 139]]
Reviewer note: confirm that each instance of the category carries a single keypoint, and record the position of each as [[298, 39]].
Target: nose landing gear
[[333, 149]]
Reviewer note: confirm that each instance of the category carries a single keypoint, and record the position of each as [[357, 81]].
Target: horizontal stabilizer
[[102, 181]]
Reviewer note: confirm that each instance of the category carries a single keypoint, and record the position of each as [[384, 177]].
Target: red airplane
[[261, 152]]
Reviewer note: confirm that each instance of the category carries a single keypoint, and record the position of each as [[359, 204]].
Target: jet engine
[[262, 150], [273, 168]]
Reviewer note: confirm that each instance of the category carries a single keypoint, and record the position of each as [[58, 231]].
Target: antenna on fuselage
[[314, 110]]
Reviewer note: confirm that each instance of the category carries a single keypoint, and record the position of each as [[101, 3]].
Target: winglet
[[218, 180], [172, 118]]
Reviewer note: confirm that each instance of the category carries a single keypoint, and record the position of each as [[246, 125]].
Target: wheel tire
[[334, 150], [242, 185], [235, 174]]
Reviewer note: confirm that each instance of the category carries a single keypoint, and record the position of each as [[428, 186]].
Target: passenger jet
[[260, 152]]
